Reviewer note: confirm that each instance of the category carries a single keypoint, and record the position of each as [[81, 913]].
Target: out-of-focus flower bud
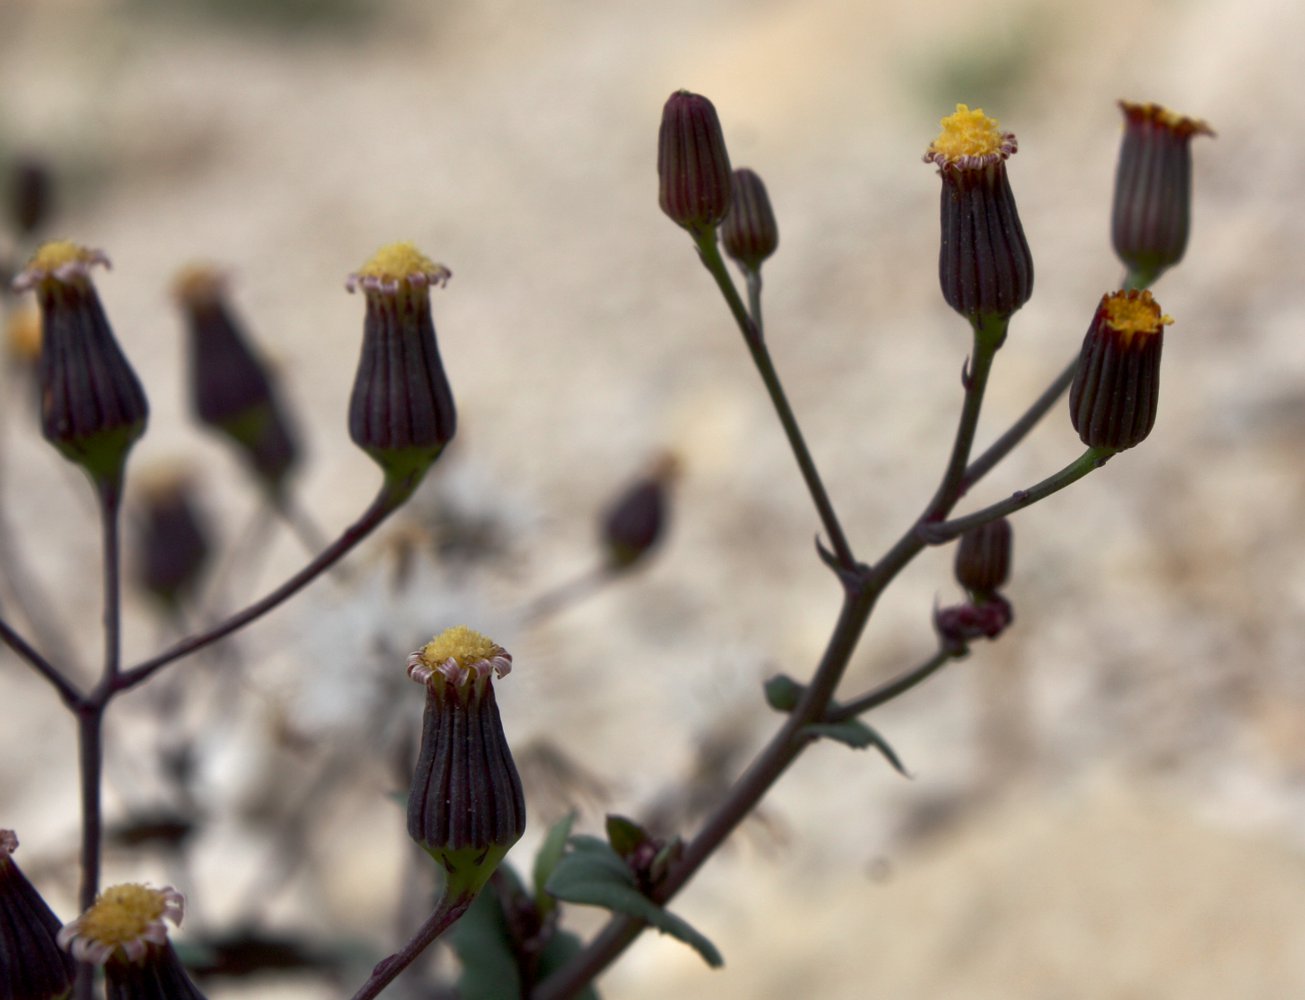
[[959, 625], [32, 965], [693, 166], [984, 264], [231, 389], [92, 405], [1153, 189], [401, 412], [636, 521], [466, 807], [125, 932], [750, 233], [983, 557], [174, 542], [30, 187], [1116, 387]]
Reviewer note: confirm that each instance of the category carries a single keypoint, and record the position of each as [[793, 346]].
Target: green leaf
[[550, 853], [484, 947], [858, 736], [592, 874], [625, 835], [783, 693]]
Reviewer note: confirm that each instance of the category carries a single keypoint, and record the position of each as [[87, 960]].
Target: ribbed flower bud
[[635, 522], [92, 405], [750, 233], [984, 264], [125, 932], [32, 965], [466, 807], [401, 412], [983, 557], [231, 389], [1116, 387], [174, 542], [1153, 189], [693, 166]]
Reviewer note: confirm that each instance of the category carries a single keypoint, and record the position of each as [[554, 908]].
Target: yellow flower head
[[459, 654], [58, 260], [969, 139], [1133, 314], [398, 264], [125, 919]]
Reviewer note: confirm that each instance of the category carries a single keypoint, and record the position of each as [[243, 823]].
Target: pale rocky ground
[[1108, 803]]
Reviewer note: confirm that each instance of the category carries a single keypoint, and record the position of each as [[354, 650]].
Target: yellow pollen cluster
[[51, 256], [398, 262], [1134, 313], [123, 914], [968, 133], [461, 644]]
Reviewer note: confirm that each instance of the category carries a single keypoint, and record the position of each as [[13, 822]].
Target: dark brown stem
[[445, 916]]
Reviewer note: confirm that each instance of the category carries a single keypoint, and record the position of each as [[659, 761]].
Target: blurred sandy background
[[1108, 803]]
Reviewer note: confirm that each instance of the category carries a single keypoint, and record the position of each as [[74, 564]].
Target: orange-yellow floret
[[123, 913], [968, 134], [1134, 313], [462, 645], [399, 262]]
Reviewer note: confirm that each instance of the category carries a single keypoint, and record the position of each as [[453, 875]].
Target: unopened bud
[[231, 389], [174, 543], [30, 185], [749, 233], [693, 166], [32, 965], [983, 557], [636, 521]]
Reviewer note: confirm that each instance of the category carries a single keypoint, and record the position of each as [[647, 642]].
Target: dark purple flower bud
[[32, 965], [693, 166], [174, 542], [30, 185], [231, 389], [959, 625], [984, 264], [1153, 189], [983, 557], [401, 412], [466, 807], [636, 521], [1116, 387], [92, 405], [749, 233]]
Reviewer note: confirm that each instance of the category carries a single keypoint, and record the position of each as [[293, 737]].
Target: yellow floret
[[122, 914], [461, 644], [968, 133], [51, 256], [398, 262], [1135, 314]]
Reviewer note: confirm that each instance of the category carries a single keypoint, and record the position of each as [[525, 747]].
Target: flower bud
[[125, 932], [174, 544], [984, 264], [983, 557], [32, 965], [231, 389], [30, 184], [1153, 189], [693, 166], [1116, 386], [959, 625], [92, 405], [466, 807], [634, 524], [401, 412], [749, 233]]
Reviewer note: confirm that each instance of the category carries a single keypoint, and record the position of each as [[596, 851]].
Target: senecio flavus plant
[[465, 807]]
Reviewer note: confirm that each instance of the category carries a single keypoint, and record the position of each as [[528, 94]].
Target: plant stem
[[70, 695], [1093, 458], [388, 500], [451, 907], [889, 690], [750, 326]]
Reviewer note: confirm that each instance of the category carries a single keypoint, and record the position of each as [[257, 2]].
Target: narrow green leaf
[[594, 875], [484, 947], [858, 736], [561, 948], [550, 853]]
